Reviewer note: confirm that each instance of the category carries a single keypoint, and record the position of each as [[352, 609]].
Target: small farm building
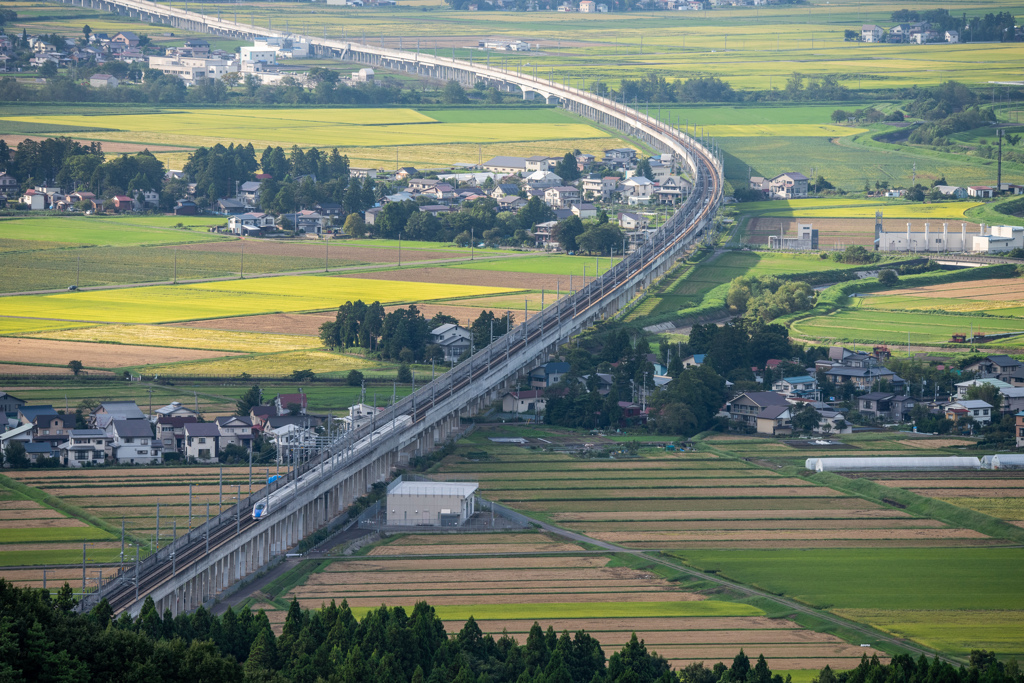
[[431, 503], [887, 464]]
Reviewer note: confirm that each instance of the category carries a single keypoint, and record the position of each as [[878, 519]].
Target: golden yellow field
[[166, 303], [185, 338]]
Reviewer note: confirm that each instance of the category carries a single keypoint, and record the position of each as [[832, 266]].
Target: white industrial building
[[954, 462], [990, 239], [805, 240], [431, 503], [194, 70]]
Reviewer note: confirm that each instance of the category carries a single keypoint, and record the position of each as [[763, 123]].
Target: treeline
[[766, 297], [156, 87], [69, 164], [654, 88], [402, 334], [990, 27], [475, 221], [686, 405]]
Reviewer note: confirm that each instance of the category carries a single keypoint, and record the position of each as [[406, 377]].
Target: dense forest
[[43, 638]]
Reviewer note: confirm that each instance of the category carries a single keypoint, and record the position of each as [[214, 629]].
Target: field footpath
[[341, 269]]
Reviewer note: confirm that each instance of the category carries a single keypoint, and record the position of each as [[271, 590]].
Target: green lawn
[[869, 326], [914, 579], [108, 230], [546, 265]]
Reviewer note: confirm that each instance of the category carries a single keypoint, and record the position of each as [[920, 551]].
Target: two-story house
[[202, 442], [637, 190], [453, 339], [544, 376], [236, 431], [596, 186], [285, 403], [747, 406], [133, 443], [977, 410], [803, 386], [254, 223], [170, 429], [864, 379], [620, 156], [561, 196], [882, 405], [249, 193], [788, 186], [870, 33], [1000, 367], [542, 180], [84, 447]]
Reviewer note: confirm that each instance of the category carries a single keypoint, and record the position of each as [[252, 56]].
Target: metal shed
[[1002, 461], [955, 462]]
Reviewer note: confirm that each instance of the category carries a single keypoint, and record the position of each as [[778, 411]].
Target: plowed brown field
[[95, 355]]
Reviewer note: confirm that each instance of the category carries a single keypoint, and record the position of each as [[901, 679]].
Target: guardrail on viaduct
[[198, 566]]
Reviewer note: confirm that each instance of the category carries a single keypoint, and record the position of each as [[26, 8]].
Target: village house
[[869, 33], [584, 211], [505, 190], [171, 431], [637, 190], [542, 180], [102, 81], [132, 443], [505, 165], [249, 193], [981, 191], [453, 339], [621, 156], [561, 197], [952, 191], [305, 222], [633, 221], [9, 185], [285, 404], [235, 430], [202, 442], [802, 386], [1001, 367], [747, 406], [253, 223], [886, 406], [544, 376], [600, 187], [788, 186], [525, 401], [511, 203], [540, 163], [84, 447], [977, 410]]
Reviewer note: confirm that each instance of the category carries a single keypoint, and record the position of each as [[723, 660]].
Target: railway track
[[495, 362]]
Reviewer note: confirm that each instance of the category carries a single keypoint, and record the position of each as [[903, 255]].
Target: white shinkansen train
[[269, 503]]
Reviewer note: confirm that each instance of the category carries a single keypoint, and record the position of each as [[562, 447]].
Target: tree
[[354, 378], [249, 400], [303, 375], [566, 231], [805, 419], [840, 116], [987, 393], [48, 70], [454, 94], [644, 169], [15, 454], [404, 374], [568, 168], [75, 366], [888, 277]]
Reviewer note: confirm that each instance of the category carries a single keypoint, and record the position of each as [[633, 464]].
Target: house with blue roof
[[802, 386], [696, 360], [548, 374]]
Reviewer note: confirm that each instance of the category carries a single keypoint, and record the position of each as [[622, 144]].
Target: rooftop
[[434, 488]]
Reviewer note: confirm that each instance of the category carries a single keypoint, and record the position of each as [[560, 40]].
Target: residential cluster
[[879, 395], [119, 432], [94, 49]]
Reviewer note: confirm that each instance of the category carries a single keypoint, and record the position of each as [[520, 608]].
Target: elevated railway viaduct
[[209, 559]]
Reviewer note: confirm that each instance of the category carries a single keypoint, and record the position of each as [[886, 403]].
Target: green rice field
[[868, 326]]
